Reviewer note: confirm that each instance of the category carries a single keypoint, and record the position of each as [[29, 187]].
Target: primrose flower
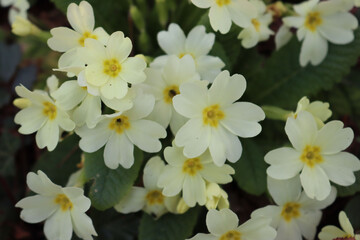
[[189, 174], [320, 22], [164, 85], [150, 197], [316, 154], [223, 12], [197, 44], [319, 110], [259, 29], [23, 27], [42, 115], [295, 215], [18, 8], [63, 209], [81, 19], [223, 225], [216, 197], [108, 69], [332, 232], [216, 119], [119, 132]]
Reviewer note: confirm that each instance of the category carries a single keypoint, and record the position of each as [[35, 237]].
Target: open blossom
[[43, 116], [259, 29], [81, 19], [197, 44], [216, 120], [295, 215], [320, 22], [223, 12], [63, 209], [150, 197], [109, 69], [119, 132], [332, 232], [189, 174], [316, 154], [223, 225], [164, 84]]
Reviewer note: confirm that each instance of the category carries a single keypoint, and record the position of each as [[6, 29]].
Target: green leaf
[[169, 226], [9, 145], [109, 186], [352, 210], [350, 190], [61, 163], [250, 170], [282, 81], [110, 14]]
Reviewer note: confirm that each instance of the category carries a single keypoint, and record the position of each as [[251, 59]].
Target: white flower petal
[[36, 208], [203, 3], [134, 201], [118, 46], [31, 119], [270, 211], [59, 226], [63, 39], [69, 95], [340, 167], [171, 179], [257, 228], [114, 88], [83, 226], [293, 21], [93, 139], [41, 184], [76, 196], [283, 191], [220, 19], [199, 42], [219, 222], [48, 135], [307, 223], [285, 163], [143, 105], [313, 49], [173, 40], [288, 230], [174, 156], [315, 182], [283, 36], [133, 70], [153, 169], [88, 112], [221, 175], [119, 150], [242, 12], [209, 67], [330, 233], [194, 190], [226, 89], [202, 236], [345, 223], [309, 204], [81, 18]]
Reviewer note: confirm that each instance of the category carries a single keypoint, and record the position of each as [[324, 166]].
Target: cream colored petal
[[203, 3], [171, 179], [213, 173], [119, 150], [69, 95], [102, 35], [220, 19], [133, 70], [219, 222], [36, 208], [270, 211], [173, 40], [174, 156], [94, 74], [134, 201], [93, 139], [345, 223], [283, 36], [199, 42], [76, 196], [118, 46], [314, 49], [59, 226], [143, 105], [330, 233], [315, 182], [31, 120], [114, 88], [308, 222], [88, 112], [63, 39], [241, 12], [288, 230], [194, 190], [202, 236], [283, 191], [48, 135], [209, 67], [309, 204], [81, 18], [257, 228], [153, 169], [41, 184], [83, 225]]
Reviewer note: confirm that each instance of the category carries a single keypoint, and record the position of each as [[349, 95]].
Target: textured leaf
[[109, 186], [110, 14], [250, 170], [60, 163], [169, 226], [282, 81]]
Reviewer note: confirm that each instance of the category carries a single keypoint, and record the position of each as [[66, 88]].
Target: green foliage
[[169, 226], [250, 170], [59, 164], [109, 186], [352, 210], [112, 15], [282, 81]]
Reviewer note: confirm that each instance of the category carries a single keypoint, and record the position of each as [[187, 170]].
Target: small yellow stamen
[[256, 24], [181, 55], [222, 2], [290, 210], [170, 92], [231, 235], [212, 115], [112, 67], [85, 36], [313, 20], [49, 110], [192, 166], [311, 155], [119, 124], [64, 202], [154, 197]]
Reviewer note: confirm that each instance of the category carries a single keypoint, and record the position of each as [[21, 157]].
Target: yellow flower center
[[64, 202], [311, 155], [85, 36], [313, 20], [212, 115], [192, 166], [290, 210], [49, 110], [222, 2], [112, 67], [170, 92], [181, 55], [154, 197], [119, 124], [231, 235], [256, 24]]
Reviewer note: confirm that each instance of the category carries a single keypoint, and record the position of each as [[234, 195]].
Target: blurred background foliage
[[274, 78]]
